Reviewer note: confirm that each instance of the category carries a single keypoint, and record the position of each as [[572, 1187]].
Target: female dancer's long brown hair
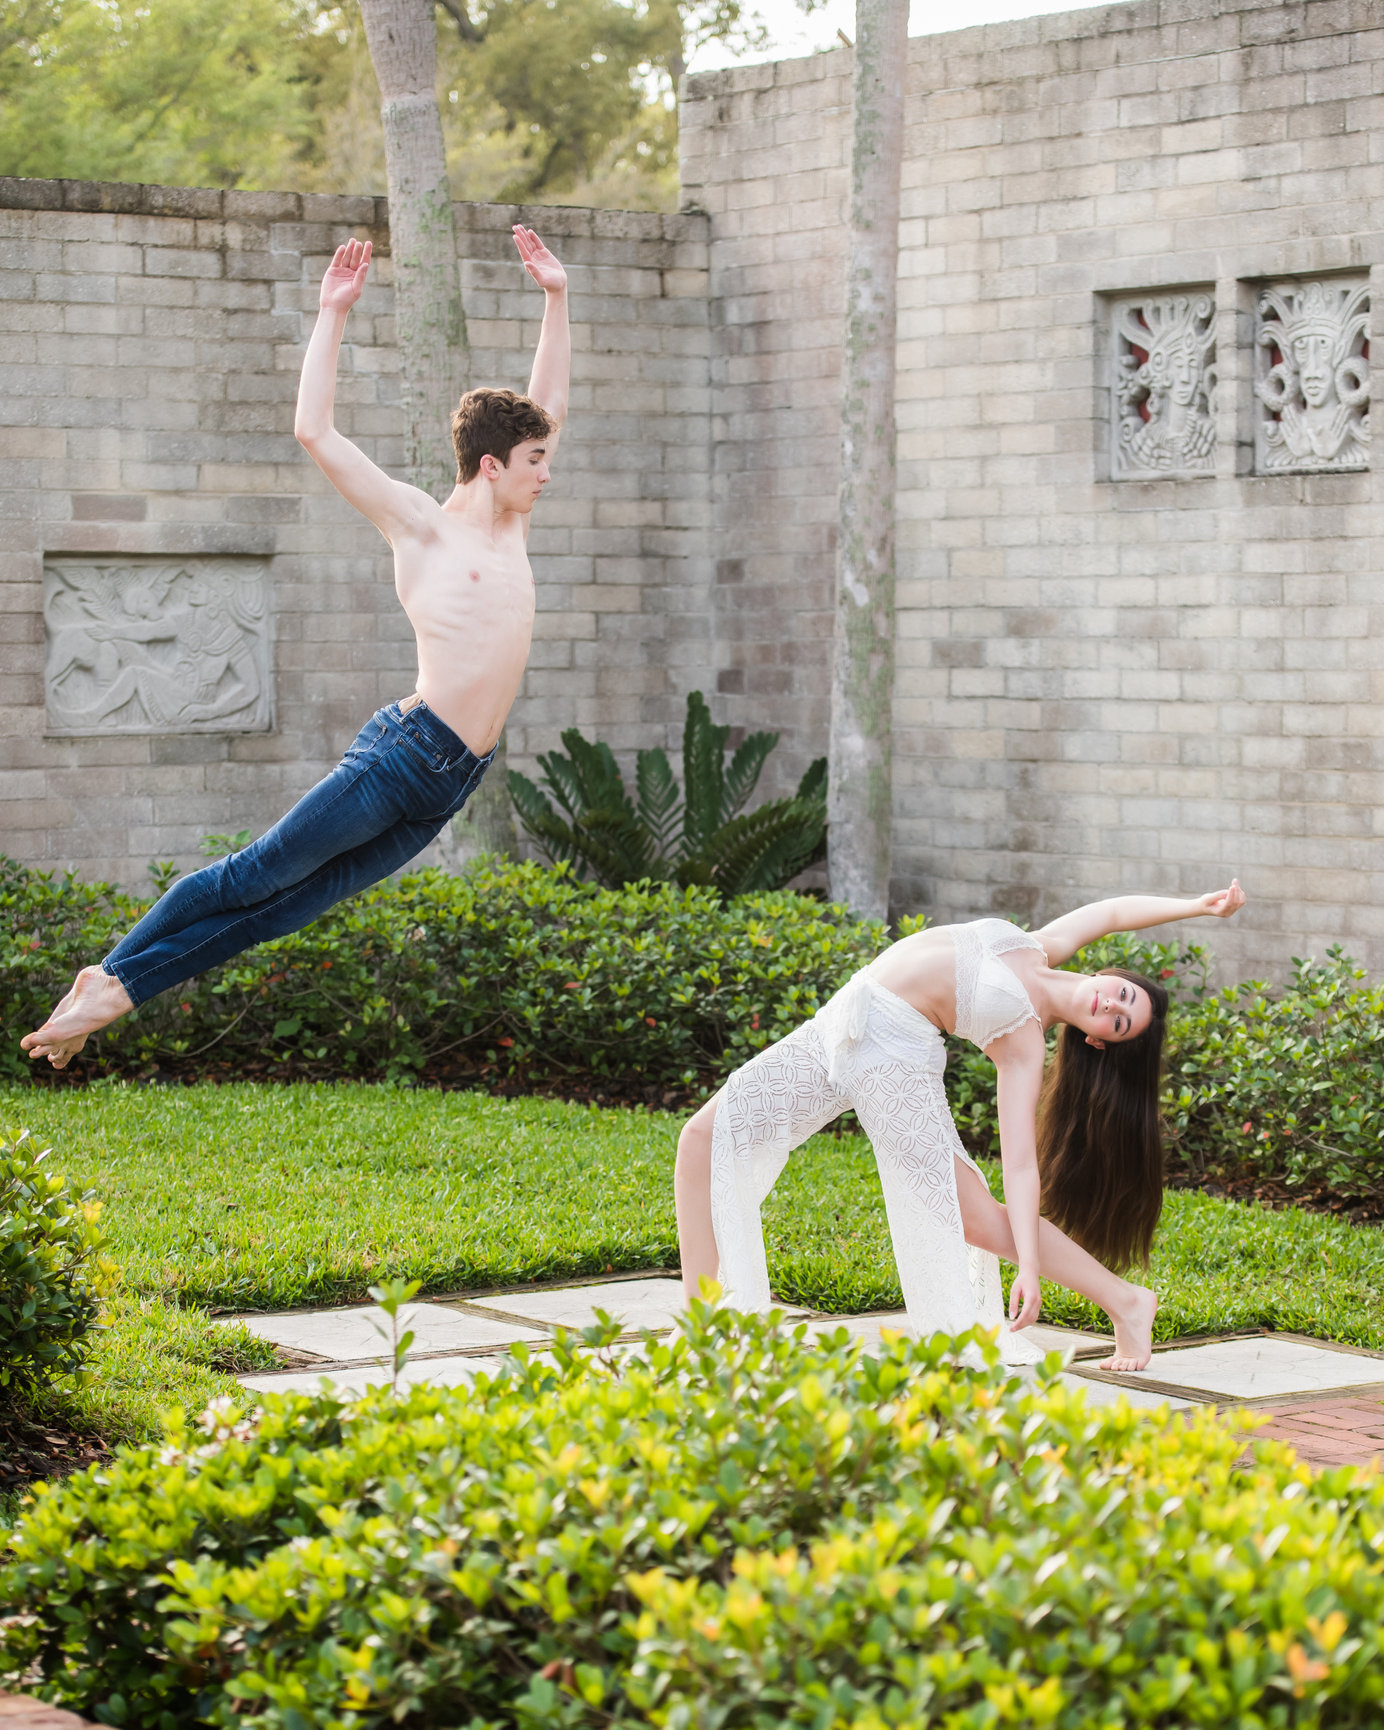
[[1100, 1143]]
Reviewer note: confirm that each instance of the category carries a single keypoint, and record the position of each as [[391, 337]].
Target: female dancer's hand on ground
[[344, 278], [1025, 1298]]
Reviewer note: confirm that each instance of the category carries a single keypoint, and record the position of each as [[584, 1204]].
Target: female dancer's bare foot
[[1133, 1332], [96, 999]]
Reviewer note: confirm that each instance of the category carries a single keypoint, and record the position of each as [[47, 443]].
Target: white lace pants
[[870, 1050]]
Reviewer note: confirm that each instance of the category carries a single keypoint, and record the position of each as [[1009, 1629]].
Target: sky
[[793, 34]]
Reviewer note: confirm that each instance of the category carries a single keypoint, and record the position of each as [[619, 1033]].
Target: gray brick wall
[[1101, 686], [150, 340]]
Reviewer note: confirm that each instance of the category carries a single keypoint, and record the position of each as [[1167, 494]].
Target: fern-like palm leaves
[[701, 834]]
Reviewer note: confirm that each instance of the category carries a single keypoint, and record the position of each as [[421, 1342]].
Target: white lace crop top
[[990, 1000]]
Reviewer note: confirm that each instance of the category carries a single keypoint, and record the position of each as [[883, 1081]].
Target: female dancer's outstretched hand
[[1221, 903], [1025, 1299]]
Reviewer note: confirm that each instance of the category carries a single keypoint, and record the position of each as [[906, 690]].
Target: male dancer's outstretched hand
[[538, 261], [345, 277]]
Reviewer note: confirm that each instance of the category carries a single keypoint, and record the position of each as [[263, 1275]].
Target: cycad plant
[[699, 834]]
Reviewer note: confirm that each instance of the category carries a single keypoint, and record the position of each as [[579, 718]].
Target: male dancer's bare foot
[[96, 999], [1133, 1332]]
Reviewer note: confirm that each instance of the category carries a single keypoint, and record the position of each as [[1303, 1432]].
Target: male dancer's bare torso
[[469, 597]]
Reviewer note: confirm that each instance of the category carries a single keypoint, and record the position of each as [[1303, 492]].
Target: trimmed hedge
[[1286, 1084], [513, 968], [54, 1275], [737, 1526]]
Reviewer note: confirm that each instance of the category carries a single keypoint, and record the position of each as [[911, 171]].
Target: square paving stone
[[1047, 1339], [639, 1303], [865, 1327], [440, 1372], [344, 1334], [1107, 1394], [1051, 1339], [1252, 1369]]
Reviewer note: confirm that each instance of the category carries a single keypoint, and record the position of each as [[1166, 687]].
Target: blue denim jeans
[[390, 795]]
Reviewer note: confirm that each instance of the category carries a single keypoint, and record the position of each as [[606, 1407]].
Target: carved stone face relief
[[1164, 385], [1313, 376], [157, 645]]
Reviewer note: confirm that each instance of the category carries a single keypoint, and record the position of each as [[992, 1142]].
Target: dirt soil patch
[[34, 1446]]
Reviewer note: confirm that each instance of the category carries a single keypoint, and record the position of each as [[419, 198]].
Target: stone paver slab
[[345, 1334], [1107, 1394], [865, 1328], [1260, 1368], [1053, 1339], [441, 1372], [639, 1303]]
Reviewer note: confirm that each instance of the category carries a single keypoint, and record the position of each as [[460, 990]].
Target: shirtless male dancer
[[461, 571]]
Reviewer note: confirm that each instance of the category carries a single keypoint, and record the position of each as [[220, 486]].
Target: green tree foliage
[[570, 101], [193, 92], [700, 834]]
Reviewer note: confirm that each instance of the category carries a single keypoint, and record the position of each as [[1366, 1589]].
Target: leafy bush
[[697, 836], [1289, 1085], [53, 1274], [513, 968], [735, 1527]]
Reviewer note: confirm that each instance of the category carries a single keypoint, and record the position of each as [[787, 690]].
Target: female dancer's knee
[[692, 1197], [694, 1149]]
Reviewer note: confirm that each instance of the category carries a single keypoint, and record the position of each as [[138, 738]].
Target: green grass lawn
[[257, 1197]]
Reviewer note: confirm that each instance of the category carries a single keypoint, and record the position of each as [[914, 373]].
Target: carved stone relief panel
[[158, 645], [1163, 349], [1312, 375]]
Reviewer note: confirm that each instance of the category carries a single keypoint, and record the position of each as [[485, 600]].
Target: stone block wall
[[150, 341], [1139, 639], [1103, 683]]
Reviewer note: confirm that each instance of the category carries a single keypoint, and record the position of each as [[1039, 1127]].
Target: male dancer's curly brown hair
[[490, 423]]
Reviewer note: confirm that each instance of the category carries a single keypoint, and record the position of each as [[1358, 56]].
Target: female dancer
[[1088, 1153]]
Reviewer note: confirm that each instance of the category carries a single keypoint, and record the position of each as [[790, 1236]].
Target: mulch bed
[[33, 1446], [1270, 1192]]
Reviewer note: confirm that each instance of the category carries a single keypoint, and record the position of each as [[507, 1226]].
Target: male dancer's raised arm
[[393, 506], [552, 360]]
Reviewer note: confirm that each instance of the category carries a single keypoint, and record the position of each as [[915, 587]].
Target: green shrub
[[516, 968], [736, 1527], [1287, 1085], [701, 834], [53, 1274]]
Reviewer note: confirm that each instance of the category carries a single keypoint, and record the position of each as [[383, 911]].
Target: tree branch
[[466, 25]]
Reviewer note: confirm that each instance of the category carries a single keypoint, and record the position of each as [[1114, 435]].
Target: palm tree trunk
[[434, 356], [860, 796]]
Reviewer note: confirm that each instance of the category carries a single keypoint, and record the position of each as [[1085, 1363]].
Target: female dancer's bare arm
[[1018, 1060], [1073, 931]]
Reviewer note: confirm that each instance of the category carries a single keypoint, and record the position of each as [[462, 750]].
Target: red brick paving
[[1348, 1431]]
